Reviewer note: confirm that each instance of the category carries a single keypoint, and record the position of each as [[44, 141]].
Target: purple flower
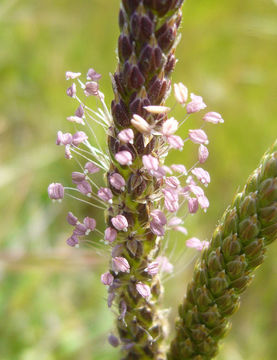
[[91, 168], [179, 168], [196, 104], [156, 228], [202, 175], [91, 88], [63, 139], [79, 137], [73, 241], [71, 91], [78, 177], [153, 268], [69, 75], [93, 75], [175, 142], [113, 340], [90, 223], [159, 217], [150, 163], [84, 188], [72, 219], [169, 127], [192, 205], [56, 191]]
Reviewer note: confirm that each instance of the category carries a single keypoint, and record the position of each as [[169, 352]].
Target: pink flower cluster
[[176, 186]]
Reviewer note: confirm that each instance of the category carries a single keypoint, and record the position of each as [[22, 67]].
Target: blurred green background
[[52, 304]]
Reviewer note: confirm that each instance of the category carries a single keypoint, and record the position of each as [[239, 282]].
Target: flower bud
[[120, 222], [117, 181], [110, 234], [107, 278], [56, 191]]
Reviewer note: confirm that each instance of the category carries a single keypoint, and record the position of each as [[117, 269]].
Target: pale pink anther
[[69, 75], [196, 104], [159, 174], [181, 229], [78, 177], [175, 142], [198, 136], [213, 117], [105, 194], [124, 157], [80, 111], [169, 127], [143, 289], [113, 340], [196, 190], [203, 153], [157, 228], [150, 162], [172, 182], [203, 202], [91, 168], [71, 91], [73, 241], [167, 169], [197, 244], [72, 219], [93, 75], [153, 268], [126, 136], [120, 222], [157, 109], [107, 278], [170, 194], [90, 223], [56, 191], [192, 205], [202, 175], [140, 124], [91, 88], [120, 264], [159, 217], [117, 181], [181, 169], [80, 230], [84, 187], [175, 221], [63, 139], [67, 152], [76, 120], [171, 206], [79, 137], [165, 265], [110, 234], [181, 93]]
